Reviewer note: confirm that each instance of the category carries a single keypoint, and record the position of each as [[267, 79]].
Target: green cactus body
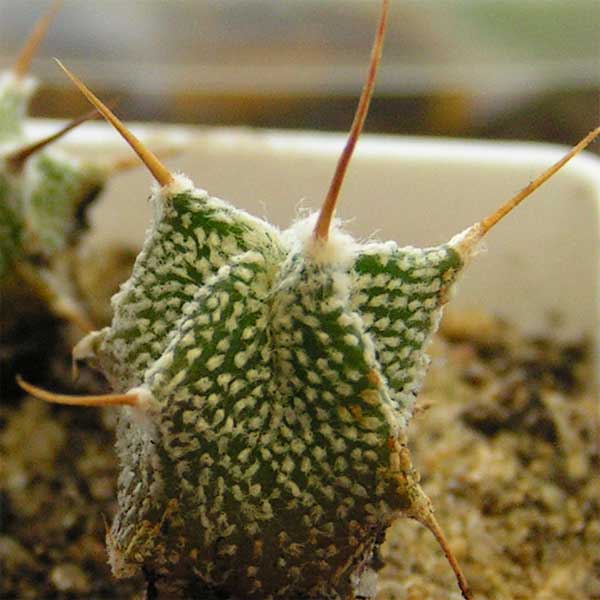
[[278, 376], [192, 237], [10, 230], [56, 196], [14, 99], [42, 204]]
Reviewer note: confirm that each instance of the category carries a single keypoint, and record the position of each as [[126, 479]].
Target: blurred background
[[516, 69]]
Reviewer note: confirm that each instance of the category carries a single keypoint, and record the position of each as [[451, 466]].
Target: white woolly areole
[[163, 194], [179, 185], [146, 400], [86, 347], [468, 243], [338, 250], [142, 413], [22, 85]]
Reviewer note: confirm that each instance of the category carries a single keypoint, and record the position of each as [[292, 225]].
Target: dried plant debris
[[521, 508]]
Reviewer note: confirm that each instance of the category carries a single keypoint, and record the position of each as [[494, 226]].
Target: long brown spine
[[22, 64], [158, 170], [321, 231]]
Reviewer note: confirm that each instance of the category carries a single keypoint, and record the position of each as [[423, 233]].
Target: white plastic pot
[[541, 269]]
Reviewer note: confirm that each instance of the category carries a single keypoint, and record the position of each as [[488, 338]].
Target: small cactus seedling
[[43, 196], [267, 381]]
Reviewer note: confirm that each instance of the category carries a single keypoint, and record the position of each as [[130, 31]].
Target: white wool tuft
[[160, 196], [142, 413], [25, 85], [147, 402], [180, 184], [468, 243], [86, 346], [338, 250]]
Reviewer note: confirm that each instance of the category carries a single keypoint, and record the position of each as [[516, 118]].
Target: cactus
[[267, 381], [44, 198], [44, 195]]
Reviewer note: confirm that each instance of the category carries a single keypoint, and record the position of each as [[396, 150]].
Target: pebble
[[68, 577], [13, 555]]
